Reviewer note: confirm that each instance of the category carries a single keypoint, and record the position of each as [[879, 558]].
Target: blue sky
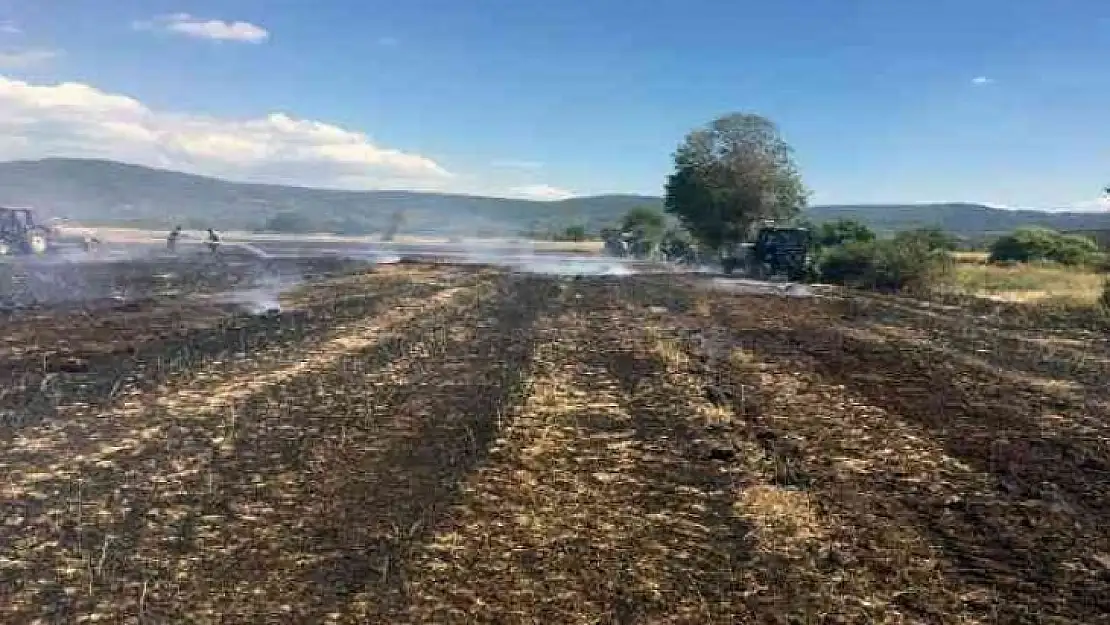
[[879, 98]]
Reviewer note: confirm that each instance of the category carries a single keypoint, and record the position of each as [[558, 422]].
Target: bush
[[900, 264], [841, 232], [932, 238], [574, 233], [848, 264], [1104, 299], [1041, 244], [678, 246]]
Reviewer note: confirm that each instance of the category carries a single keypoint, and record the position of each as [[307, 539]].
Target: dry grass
[[971, 258], [429, 445], [1031, 283]]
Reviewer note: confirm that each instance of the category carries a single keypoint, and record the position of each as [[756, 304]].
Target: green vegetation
[[677, 244], [644, 222], [932, 237], [840, 232], [850, 253], [574, 233], [729, 176], [100, 192], [1041, 244], [645, 226], [904, 263]]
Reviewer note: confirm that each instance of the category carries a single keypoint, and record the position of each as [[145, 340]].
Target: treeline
[[398, 222]]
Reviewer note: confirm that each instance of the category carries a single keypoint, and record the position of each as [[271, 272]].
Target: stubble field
[[433, 444]]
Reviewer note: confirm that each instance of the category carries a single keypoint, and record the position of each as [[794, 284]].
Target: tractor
[[20, 235], [777, 251]]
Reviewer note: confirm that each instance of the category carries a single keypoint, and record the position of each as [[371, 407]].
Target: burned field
[[416, 444]]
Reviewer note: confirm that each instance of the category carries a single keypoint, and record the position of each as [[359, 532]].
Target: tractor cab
[[777, 251], [20, 235]]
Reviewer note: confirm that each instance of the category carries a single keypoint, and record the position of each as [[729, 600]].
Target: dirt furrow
[[83, 436], [591, 508], [897, 445], [327, 476], [63, 506], [110, 358]]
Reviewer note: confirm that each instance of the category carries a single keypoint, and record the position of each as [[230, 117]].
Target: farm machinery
[[20, 235], [777, 250]]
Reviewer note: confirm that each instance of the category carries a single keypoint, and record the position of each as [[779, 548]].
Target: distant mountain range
[[106, 192]]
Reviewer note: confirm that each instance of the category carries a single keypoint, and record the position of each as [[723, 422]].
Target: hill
[[108, 192], [960, 218]]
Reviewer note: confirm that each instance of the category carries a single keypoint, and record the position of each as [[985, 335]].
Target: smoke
[[567, 265], [523, 256], [256, 301], [250, 248], [263, 297], [759, 287]]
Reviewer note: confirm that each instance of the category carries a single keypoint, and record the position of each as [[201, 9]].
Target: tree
[[840, 232], [934, 238], [644, 227], [1041, 244], [573, 233], [646, 221], [730, 175], [677, 246]]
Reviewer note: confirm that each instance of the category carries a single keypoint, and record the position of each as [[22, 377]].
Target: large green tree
[[730, 175], [646, 226]]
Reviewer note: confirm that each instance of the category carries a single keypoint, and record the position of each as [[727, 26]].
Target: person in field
[[171, 240], [213, 241]]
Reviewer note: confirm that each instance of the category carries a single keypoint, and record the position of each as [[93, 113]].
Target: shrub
[[1104, 299], [900, 264], [933, 238], [841, 232], [574, 233], [678, 246], [848, 264], [1041, 244], [1101, 262]]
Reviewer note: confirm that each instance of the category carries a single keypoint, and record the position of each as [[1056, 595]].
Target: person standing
[[171, 240], [213, 240]]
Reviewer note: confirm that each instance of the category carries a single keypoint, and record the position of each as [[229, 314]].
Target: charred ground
[[448, 444]]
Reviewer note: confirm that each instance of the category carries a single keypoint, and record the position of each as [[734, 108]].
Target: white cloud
[[982, 80], [541, 192], [217, 30], [9, 27], [20, 59], [78, 120]]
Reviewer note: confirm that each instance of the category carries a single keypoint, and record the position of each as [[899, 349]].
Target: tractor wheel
[[729, 265]]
